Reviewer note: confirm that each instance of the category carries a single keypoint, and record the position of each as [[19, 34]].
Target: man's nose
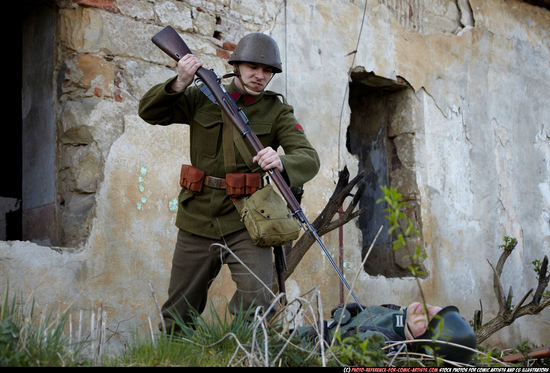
[[259, 73]]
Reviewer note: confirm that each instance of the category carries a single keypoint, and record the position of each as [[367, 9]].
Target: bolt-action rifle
[[169, 41]]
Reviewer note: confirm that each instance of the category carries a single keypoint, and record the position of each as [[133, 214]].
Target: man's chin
[[252, 92]]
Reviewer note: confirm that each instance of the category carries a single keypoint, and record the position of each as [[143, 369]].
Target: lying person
[[394, 324]]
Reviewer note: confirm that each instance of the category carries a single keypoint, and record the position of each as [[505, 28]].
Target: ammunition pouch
[[191, 178], [238, 184]]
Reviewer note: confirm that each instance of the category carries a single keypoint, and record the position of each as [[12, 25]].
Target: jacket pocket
[[261, 128], [206, 133]]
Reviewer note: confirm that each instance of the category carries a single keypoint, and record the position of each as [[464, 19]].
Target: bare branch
[[518, 307], [507, 314], [503, 257], [325, 221], [497, 287], [543, 280]]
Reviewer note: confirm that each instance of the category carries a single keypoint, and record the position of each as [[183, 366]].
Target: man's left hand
[[267, 159]]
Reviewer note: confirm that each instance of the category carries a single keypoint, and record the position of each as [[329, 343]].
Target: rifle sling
[[229, 161], [232, 136]]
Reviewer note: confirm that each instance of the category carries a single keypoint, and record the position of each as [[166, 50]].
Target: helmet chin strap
[[229, 75], [237, 74]]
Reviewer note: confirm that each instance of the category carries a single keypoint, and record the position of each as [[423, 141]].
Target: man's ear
[[432, 311]]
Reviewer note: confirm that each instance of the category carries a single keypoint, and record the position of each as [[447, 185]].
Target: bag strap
[[232, 136], [229, 161]]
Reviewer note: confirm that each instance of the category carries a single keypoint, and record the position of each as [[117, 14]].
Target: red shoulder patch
[[298, 127]]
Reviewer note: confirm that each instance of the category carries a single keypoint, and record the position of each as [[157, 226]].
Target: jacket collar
[[245, 98]]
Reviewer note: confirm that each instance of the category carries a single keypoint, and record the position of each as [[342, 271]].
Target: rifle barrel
[[313, 231]]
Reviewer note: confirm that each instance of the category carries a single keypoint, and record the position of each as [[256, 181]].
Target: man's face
[[416, 319], [254, 77]]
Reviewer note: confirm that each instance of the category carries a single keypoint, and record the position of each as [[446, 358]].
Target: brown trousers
[[196, 263]]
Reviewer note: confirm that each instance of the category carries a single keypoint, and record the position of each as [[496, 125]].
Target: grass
[[30, 338], [245, 339]]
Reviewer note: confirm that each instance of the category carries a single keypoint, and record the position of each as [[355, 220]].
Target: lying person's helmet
[[448, 326]]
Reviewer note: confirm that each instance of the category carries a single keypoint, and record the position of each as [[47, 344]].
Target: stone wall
[[478, 150], [106, 62]]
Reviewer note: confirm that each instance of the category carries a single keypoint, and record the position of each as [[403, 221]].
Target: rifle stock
[[169, 41]]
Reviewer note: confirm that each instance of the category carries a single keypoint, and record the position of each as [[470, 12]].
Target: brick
[[229, 46], [118, 95], [222, 53]]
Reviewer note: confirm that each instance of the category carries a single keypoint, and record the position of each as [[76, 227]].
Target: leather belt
[[215, 182]]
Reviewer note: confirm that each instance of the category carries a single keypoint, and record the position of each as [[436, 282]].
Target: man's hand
[[267, 158], [187, 67]]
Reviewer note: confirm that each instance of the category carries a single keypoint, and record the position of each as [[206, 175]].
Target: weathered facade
[[447, 101]]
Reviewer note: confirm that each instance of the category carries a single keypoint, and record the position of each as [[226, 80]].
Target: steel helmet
[[258, 48], [447, 325]]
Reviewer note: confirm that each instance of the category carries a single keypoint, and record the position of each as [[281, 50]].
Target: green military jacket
[[385, 321], [211, 213]]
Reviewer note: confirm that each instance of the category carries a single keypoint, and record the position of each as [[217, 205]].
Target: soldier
[[445, 327], [206, 215]]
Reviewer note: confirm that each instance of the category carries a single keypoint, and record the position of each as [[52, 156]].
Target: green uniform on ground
[[386, 321]]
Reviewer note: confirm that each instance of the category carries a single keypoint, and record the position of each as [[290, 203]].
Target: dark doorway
[[381, 135], [37, 129]]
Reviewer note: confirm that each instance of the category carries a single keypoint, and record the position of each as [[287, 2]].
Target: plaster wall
[[481, 145]]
